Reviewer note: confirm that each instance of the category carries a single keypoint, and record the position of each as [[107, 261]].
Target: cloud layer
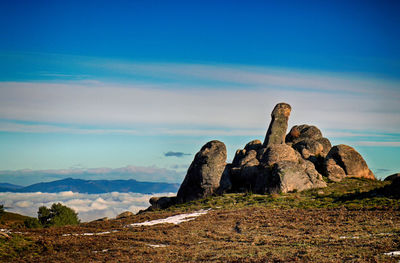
[[190, 99], [89, 206]]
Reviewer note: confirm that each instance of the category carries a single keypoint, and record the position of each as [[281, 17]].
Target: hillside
[[356, 220]]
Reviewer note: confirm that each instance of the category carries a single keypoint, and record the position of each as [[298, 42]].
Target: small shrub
[[57, 215]]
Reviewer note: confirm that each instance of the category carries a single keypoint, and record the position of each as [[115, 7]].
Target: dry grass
[[239, 228]]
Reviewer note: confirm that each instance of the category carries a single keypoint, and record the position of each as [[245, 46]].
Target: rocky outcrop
[[204, 175], [283, 163], [278, 126], [344, 161]]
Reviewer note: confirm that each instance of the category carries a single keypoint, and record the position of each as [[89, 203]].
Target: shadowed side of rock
[[204, 175]]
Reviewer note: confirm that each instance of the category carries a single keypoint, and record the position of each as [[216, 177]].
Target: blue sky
[[101, 84]]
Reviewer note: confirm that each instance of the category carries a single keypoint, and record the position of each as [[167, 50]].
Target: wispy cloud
[[190, 99], [378, 143], [176, 154]]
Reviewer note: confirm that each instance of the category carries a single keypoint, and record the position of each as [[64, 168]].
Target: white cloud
[[88, 206], [177, 103]]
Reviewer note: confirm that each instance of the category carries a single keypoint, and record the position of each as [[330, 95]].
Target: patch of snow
[[104, 250], [91, 234], [103, 233], [155, 246], [385, 234], [177, 219], [393, 254], [345, 237]]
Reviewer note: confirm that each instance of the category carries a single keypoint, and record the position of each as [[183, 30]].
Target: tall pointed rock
[[278, 126]]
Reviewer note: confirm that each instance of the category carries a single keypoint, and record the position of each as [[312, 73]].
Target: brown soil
[[250, 234]]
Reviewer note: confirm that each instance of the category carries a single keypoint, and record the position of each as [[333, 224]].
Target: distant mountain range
[[92, 186]]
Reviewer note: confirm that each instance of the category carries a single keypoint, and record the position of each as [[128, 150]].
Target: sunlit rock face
[[278, 126], [344, 161]]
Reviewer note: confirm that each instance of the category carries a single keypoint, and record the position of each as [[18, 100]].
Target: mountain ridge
[[93, 186]]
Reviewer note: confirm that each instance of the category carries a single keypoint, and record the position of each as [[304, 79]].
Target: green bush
[[57, 215], [32, 222]]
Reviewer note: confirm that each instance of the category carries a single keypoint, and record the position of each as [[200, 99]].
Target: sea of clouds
[[89, 206]]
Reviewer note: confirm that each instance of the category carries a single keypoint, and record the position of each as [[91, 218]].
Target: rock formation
[[204, 175], [344, 161], [278, 126], [283, 163]]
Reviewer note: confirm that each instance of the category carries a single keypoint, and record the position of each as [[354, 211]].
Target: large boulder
[[278, 152], [288, 176], [278, 126], [302, 132], [344, 161], [308, 141], [204, 175]]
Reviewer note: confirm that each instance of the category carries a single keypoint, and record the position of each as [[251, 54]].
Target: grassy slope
[[348, 221], [8, 219]]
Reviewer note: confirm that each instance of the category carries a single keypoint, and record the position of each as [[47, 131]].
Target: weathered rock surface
[[253, 145], [308, 140], [302, 132], [278, 126], [333, 171], [349, 160], [204, 175], [279, 152], [290, 176]]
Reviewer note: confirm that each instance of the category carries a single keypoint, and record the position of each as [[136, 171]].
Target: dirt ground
[[249, 234]]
